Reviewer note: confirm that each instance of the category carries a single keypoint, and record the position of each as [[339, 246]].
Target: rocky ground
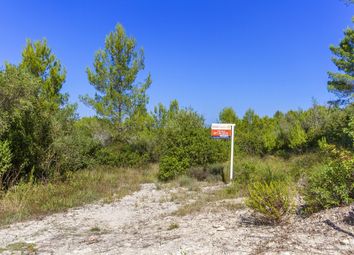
[[145, 223]]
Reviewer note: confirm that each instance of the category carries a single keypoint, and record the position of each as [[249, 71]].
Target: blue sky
[[265, 55]]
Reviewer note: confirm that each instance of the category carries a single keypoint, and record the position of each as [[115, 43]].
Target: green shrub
[[185, 142], [253, 169], [121, 157], [207, 172], [272, 200], [170, 167], [331, 184], [300, 166], [244, 172], [5, 159], [268, 175]]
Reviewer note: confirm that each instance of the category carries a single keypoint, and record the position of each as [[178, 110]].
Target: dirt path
[[143, 223]]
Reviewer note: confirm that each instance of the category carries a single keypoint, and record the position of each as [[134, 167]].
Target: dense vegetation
[[42, 139]]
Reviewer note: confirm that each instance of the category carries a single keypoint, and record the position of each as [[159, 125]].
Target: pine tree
[[342, 83], [38, 59], [114, 76]]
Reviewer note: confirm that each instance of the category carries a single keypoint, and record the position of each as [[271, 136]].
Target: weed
[[23, 247], [173, 226], [272, 200], [95, 229]]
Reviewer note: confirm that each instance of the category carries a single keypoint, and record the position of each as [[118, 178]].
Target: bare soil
[[144, 223]]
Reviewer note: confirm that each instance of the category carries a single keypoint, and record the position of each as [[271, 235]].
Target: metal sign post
[[225, 131], [232, 152]]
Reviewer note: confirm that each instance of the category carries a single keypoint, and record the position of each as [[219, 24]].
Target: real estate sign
[[225, 131], [221, 131]]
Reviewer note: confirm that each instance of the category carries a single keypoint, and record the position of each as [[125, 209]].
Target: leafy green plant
[[185, 142], [173, 226], [273, 201], [170, 167], [331, 184], [5, 159]]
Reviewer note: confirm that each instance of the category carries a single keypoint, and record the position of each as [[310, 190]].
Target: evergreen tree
[[342, 83], [228, 115], [114, 77], [38, 59]]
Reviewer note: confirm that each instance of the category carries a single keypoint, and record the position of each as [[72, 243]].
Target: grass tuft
[[173, 226]]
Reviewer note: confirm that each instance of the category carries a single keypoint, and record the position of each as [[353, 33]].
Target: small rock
[[221, 228], [344, 242], [92, 239]]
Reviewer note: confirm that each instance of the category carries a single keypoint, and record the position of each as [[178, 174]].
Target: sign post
[[232, 152], [225, 131]]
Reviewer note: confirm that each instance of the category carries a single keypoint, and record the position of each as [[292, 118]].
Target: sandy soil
[[143, 223]]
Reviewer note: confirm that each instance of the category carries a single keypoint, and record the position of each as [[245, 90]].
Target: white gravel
[[139, 224]]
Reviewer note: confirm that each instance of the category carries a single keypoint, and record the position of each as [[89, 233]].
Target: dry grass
[[27, 201], [204, 199], [173, 226], [20, 247]]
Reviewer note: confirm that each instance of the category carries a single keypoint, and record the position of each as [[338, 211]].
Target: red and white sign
[[221, 131], [225, 131]]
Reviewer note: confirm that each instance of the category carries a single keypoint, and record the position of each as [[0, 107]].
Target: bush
[[331, 184], [170, 167], [185, 142], [24, 123], [253, 169], [208, 172], [5, 159], [272, 200], [121, 156]]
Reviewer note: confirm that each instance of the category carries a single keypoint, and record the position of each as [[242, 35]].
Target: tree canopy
[[38, 59], [114, 74], [342, 83]]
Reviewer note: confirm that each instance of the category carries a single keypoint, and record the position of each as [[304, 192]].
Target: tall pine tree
[[114, 74], [342, 83], [38, 59]]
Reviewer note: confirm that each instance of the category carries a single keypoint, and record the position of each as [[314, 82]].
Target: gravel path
[[143, 223]]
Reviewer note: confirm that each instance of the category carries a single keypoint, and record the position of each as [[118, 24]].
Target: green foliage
[[342, 83], [121, 156], [38, 59], [5, 159], [74, 147], [297, 137], [23, 123], [249, 133], [184, 139], [255, 135], [39, 134], [114, 77], [331, 184], [171, 167], [294, 131], [273, 200], [350, 129], [266, 170], [228, 115]]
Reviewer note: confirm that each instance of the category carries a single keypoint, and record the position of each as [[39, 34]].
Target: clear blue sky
[[265, 55]]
